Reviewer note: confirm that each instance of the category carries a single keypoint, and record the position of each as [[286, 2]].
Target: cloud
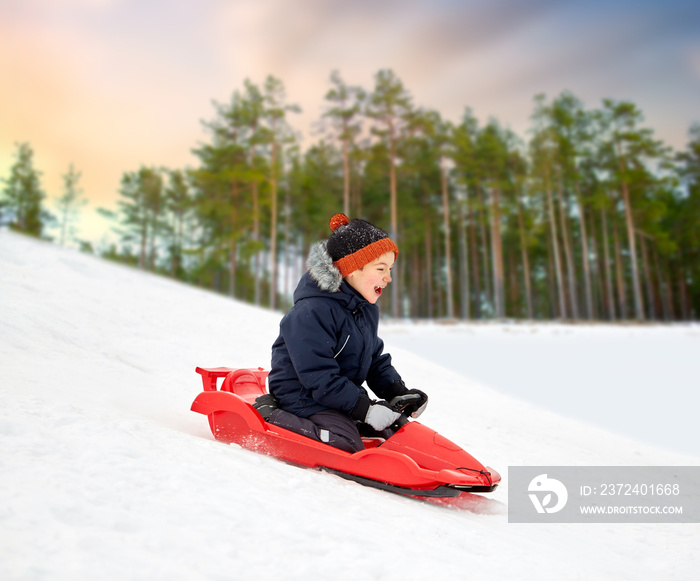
[[285, 38], [429, 47], [112, 84], [450, 54]]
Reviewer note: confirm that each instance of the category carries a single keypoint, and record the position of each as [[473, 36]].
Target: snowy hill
[[106, 474], [636, 380]]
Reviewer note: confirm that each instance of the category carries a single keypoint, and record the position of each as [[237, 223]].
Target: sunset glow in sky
[[110, 85]]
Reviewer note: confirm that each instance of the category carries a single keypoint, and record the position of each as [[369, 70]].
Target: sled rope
[[482, 472]]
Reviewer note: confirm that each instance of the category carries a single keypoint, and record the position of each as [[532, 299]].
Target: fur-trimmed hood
[[321, 268], [323, 279]]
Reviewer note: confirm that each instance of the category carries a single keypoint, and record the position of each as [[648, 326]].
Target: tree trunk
[[551, 275], [514, 303], [439, 295], [526, 262], [464, 263], [568, 254], [428, 270], [448, 249], [346, 176], [485, 249], [612, 313], [232, 259], [599, 303], [356, 195], [629, 221], [651, 302], [670, 300], [683, 292], [555, 246], [393, 212], [585, 258], [273, 224], [475, 260], [415, 289], [621, 291], [665, 312], [256, 231], [287, 245], [497, 255]]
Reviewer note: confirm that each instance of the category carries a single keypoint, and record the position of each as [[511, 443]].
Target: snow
[[637, 380], [105, 473]]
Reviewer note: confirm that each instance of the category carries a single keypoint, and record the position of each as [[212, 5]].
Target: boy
[[328, 344]]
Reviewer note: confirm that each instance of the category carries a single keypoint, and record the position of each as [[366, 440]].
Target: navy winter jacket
[[328, 347]]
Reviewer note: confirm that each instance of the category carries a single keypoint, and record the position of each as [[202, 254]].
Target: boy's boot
[[266, 404]]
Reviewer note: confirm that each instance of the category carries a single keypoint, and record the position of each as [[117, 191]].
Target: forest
[[588, 217]]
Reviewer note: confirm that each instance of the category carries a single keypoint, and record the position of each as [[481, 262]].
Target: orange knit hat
[[355, 243]]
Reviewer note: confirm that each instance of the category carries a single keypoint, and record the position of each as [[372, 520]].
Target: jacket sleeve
[[382, 378], [310, 335]]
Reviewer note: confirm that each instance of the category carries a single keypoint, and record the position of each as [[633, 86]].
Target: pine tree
[[542, 153], [389, 105], [571, 126], [23, 195], [442, 139], [463, 153], [253, 112], [178, 203], [278, 135], [69, 203], [420, 220], [493, 154], [226, 195], [344, 113], [140, 212], [684, 218], [627, 147]]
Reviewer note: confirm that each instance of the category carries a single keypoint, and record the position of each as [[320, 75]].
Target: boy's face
[[372, 278]]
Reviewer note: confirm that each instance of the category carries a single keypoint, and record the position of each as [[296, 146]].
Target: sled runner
[[415, 461]]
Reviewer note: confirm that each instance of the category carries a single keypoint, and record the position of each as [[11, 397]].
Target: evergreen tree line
[[590, 217], [22, 200]]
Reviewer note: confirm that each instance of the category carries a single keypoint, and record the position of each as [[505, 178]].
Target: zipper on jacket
[[343, 347]]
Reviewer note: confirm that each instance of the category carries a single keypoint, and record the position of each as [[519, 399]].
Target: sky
[[111, 85]]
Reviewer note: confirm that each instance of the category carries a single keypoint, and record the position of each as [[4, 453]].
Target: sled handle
[[210, 375], [400, 422], [255, 378], [238, 373]]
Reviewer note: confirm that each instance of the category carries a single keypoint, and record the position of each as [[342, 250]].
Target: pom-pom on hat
[[355, 243]]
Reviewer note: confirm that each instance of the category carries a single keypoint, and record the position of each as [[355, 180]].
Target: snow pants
[[332, 427]]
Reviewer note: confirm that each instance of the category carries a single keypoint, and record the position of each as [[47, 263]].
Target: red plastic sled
[[415, 461]]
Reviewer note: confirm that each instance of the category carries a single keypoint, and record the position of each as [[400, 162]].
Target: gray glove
[[380, 416]]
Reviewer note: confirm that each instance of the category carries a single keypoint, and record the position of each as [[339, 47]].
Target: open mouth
[[378, 291]]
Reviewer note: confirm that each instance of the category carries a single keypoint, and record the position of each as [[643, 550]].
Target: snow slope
[[637, 380], [106, 474]]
